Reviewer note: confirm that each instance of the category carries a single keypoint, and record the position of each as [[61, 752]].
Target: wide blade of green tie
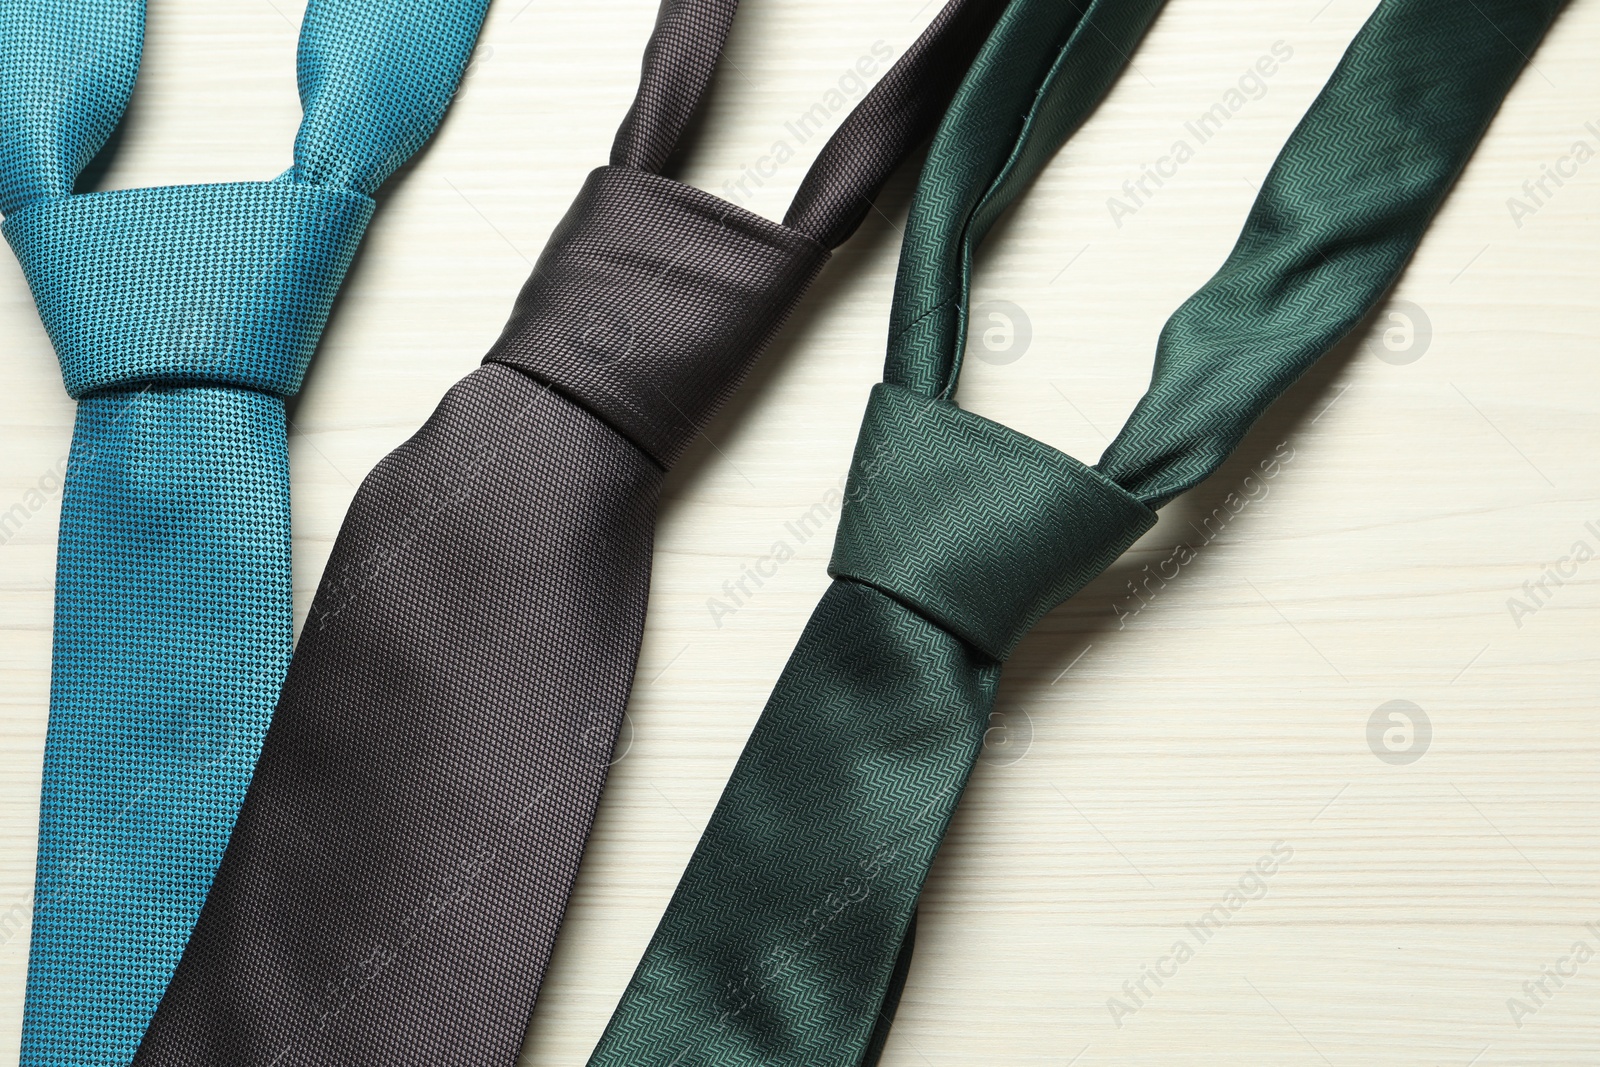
[[788, 936], [183, 317]]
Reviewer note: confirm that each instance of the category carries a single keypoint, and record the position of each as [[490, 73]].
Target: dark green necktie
[[788, 936]]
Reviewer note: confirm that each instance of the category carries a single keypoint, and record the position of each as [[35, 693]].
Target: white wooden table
[[1148, 751]]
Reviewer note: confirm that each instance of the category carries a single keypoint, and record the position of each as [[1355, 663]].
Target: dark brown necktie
[[394, 884]]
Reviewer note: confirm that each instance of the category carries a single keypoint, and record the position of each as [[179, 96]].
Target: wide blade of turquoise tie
[[183, 317], [783, 942]]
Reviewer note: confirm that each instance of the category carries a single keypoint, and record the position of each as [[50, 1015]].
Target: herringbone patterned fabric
[[400, 867], [183, 317], [784, 944]]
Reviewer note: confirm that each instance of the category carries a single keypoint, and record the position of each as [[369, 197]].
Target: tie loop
[[1042, 74], [67, 69], [219, 284], [976, 526], [679, 63]]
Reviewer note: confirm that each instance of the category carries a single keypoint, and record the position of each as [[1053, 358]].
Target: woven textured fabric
[[182, 317], [902, 110], [789, 933], [1044, 70], [198, 283], [402, 861], [833, 813], [66, 71], [156, 714], [1283, 298], [651, 301], [424, 926], [958, 480], [678, 65]]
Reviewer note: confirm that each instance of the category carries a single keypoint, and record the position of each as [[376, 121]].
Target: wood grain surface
[[1432, 856]]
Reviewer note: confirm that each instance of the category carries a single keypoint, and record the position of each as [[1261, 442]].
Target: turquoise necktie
[[183, 317], [789, 935]]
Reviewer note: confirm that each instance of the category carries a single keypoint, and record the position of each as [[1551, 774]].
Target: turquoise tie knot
[[225, 284]]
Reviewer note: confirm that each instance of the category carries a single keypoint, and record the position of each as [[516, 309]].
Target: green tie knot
[[980, 528]]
